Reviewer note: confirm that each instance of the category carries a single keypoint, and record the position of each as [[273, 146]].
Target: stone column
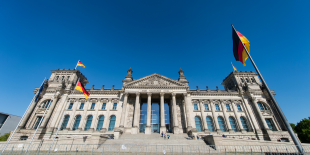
[[57, 114], [187, 106], [175, 115], [27, 116], [124, 110], [226, 116], [149, 112], [204, 120], [237, 116], [94, 122], [252, 117], [135, 128], [162, 113], [50, 110], [217, 127], [265, 126]]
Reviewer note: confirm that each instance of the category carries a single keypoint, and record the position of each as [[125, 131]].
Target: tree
[[303, 130], [293, 126], [4, 137]]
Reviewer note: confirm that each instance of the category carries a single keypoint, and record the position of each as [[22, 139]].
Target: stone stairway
[[154, 143], [155, 139]]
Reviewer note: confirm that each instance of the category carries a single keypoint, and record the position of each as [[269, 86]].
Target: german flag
[[239, 51], [80, 64], [81, 88]]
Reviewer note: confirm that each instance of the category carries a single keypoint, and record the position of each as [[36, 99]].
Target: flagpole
[[77, 64], [22, 118], [61, 120], [287, 124], [41, 120]]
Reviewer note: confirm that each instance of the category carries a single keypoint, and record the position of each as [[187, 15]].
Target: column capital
[[200, 100], [173, 94], [110, 99], [149, 94], [185, 94], [138, 93], [221, 100], [162, 94], [126, 94]]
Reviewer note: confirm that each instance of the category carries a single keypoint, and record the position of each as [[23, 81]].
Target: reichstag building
[[152, 105]]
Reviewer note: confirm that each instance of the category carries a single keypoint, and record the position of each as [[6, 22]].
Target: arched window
[[100, 123], [233, 124], [221, 123], [247, 80], [46, 104], [198, 123], [210, 123], [62, 78], [242, 80], [253, 80], [88, 122], [112, 123], [261, 106], [76, 122], [65, 122], [57, 77], [244, 124]]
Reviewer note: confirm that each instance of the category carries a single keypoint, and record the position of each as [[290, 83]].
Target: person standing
[[162, 134], [165, 136]]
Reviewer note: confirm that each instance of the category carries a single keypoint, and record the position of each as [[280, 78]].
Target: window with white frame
[[70, 106], [206, 107], [217, 107], [270, 124], [114, 106], [261, 106], [228, 107], [195, 107], [239, 107], [103, 106], [93, 106], [81, 106]]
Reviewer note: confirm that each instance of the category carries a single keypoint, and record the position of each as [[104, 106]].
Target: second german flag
[[81, 88]]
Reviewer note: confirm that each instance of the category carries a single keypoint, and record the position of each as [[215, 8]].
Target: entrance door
[[155, 118], [143, 117]]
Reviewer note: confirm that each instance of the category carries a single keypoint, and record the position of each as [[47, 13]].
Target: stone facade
[[243, 109]]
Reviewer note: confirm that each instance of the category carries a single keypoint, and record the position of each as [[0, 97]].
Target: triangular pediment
[[155, 80]]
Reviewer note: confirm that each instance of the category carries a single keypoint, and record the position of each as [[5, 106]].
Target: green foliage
[[303, 130], [293, 126], [5, 137]]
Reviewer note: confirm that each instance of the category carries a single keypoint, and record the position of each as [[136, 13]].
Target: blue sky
[[154, 37]]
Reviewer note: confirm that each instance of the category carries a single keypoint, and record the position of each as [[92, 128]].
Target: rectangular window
[[206, 107], [114, 106], [93, 106], [270, 124], [217, 107], [227, 107], [37, 123], [23, 137], [195, 107], [70, 106], [81, 106], [239, 107], [103, 106]]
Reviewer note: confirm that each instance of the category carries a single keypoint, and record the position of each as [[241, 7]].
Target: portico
[[155, 112]]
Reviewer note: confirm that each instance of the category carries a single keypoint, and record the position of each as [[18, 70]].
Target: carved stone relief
[[155, 81]]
